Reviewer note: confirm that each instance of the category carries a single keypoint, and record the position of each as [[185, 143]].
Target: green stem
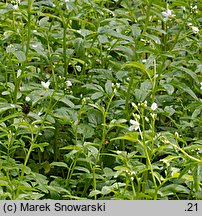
[[147, 17], [147, 154], [29, 27], [65, 48]]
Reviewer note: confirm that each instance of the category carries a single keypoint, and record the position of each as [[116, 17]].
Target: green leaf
[[169, 110], [83, 169], [64, 99], [20, 55], [41, 146], [133, 137], [174, 188], [59, 164], [94, 87], [169, 88], [7, 106], [102, 38], [140, 94], [135, 65], [185, 88], [94, 117], [108, 87], [79, 47], [153, 37], [94, 193], [190, 73], [97, 95], [86, 130]]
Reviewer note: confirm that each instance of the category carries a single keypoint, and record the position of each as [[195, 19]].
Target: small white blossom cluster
[[143, 104], [194, 29], [15, 4], [116, 86], [68, 83], [168, 14], [135, 125], [45, 84], [194, 9]]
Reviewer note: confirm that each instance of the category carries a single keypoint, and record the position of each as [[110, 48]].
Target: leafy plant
[[100, 99]]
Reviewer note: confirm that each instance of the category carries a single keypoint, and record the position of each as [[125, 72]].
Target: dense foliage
[[100, 99]]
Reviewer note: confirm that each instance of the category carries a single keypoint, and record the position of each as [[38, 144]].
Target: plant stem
[[30, 2]]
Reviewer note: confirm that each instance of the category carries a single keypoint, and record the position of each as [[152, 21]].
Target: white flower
[[176, 134], [118, 85], [167, 14], [154, 106], [201, 86], [195, 29], [45, 84], [194, 7], [146, 119], [27, 98], [15, 7], [34, 45], [40, 113], [78, 67], [19, 72], [183, 8], [134, 105], [68, 83], [134, 125]]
